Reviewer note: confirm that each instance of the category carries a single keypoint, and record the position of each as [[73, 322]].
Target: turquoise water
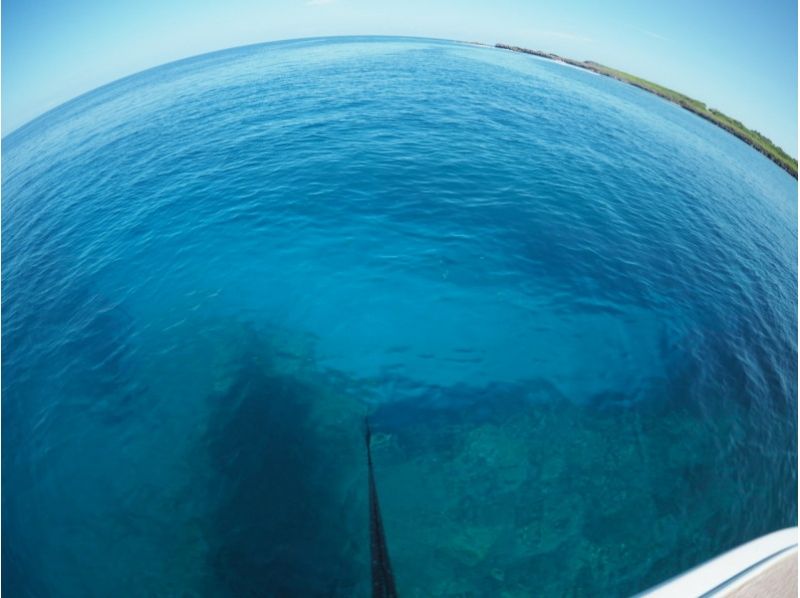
[[566, 306]]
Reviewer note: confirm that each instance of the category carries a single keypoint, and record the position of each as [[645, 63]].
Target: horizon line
[[6, 134]]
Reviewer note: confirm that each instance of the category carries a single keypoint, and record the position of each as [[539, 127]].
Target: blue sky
[[739, 56]]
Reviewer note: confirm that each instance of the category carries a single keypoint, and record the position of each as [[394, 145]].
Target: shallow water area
[[566, 306]]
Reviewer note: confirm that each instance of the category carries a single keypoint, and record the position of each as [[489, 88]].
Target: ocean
[[566, 307]]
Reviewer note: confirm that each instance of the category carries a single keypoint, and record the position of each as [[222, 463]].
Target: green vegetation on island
[[733, 126]]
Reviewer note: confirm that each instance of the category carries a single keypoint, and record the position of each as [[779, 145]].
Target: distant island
[[733, 126]]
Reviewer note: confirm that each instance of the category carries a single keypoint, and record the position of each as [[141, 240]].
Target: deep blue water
[[567, 306]]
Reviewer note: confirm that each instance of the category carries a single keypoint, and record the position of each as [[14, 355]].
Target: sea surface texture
[[566, 306]]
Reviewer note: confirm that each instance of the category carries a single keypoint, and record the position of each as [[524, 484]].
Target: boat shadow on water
[[289, 506]]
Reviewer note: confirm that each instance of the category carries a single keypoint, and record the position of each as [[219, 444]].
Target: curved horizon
[[267, 43], [53, 53]]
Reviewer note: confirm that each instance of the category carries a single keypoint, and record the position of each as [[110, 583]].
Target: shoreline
[[752, 138]]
